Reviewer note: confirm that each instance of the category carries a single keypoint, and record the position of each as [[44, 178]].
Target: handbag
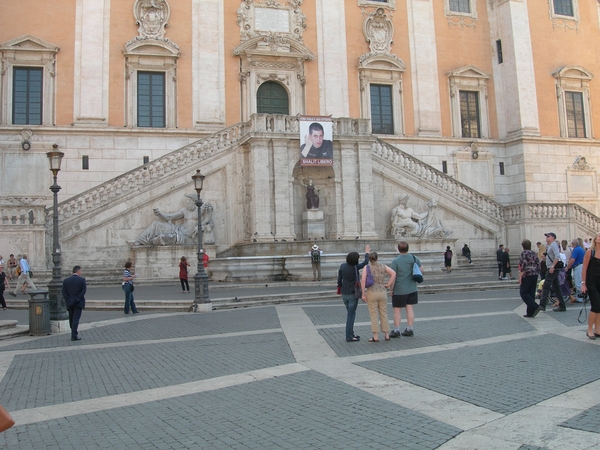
[[5, 420], [370, 282], [417, 275], [357, 286]]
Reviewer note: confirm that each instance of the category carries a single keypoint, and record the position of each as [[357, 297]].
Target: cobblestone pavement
[[476, 375]]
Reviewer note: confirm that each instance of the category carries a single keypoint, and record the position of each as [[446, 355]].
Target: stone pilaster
[[424, 68], [91, 63], [282, 187], [208, 64], [260, 190], [514, 79], [332, 58]]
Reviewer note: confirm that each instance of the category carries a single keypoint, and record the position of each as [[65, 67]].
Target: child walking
[[183, 274]]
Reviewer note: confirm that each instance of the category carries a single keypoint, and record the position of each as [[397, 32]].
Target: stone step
[[9, 329], [267, 299]]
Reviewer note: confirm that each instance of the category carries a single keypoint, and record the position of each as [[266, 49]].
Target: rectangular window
[[445, 166], [151, 99], [27, 96], [461, 6], [146, 159], [499, 51], [85, 162], [563, 7], [575, 117], [501, 168], [382, 119], [469, 114]]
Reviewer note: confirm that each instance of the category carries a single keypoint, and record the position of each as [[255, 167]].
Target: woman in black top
[[590, 283], [347, 277]]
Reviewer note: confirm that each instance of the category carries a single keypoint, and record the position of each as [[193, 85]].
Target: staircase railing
[[438, 179]]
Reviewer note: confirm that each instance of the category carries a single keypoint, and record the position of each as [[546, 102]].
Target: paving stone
[[427, 334], [177, 326], [513, 370], [588, 420], [109, 371]]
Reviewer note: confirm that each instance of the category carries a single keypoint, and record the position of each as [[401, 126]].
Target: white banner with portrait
[[316, 141]]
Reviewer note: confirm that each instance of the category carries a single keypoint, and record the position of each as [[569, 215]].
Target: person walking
[[23, 276], [553, 264], [183, 274], [315, 261], [3, 285], [448, 259], [466, 252], [499, 260], [128, 288], [73, 291], [575, 263], [12, 264], [405, 293], [506, 269], [542, 257], [346, 285], [590, 283], [376, 295], [529, 269]]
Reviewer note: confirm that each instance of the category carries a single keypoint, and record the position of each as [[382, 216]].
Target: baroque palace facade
[[478, 114]]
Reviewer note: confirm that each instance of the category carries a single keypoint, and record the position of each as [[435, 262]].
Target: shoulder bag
[[357, 286], [417, 275], [369, 282]]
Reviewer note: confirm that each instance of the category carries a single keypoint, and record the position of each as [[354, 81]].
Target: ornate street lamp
[[58, 309], [201, 300]]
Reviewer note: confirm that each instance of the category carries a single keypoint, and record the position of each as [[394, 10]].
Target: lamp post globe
[[201, 298], [58, 308]]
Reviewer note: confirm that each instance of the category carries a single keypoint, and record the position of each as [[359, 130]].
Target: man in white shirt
[[23, 276], [551, 280]]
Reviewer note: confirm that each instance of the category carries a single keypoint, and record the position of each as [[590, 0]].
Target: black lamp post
[[201, 278], [58, 309]]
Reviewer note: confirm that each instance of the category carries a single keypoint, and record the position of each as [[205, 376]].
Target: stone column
[[92, 33], [514, 79], [424, 68], [367, 202], [332, 58], [348, 197], [260, 189], [208, 65], [283, 186]]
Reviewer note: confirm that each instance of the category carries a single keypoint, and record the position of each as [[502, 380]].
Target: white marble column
[[260, 189], [332, 58], [208, 65], [92, 33], [282, 187], [514, 79], [424, 68]]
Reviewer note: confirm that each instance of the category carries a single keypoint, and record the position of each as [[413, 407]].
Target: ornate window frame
[[469, 78], [566, 22], [382, 69], [151, 55], [28, 51], [461, 19], [389, 4], [272, 51], [573, 79]]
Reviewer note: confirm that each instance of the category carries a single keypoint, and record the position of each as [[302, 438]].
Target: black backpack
[[315, 256]]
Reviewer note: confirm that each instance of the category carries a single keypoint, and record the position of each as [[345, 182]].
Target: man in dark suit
[[73, 291]]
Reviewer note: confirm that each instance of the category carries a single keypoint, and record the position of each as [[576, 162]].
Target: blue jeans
[[351, 303], [129, 299]]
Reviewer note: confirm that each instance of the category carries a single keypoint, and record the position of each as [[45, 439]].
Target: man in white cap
[[554, 264], [315, 260]]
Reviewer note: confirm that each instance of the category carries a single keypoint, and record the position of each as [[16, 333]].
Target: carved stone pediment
[[469, 71], [581, 164], [379, 31], [379, 61], [573, 72], [29, 42], [271, 19]]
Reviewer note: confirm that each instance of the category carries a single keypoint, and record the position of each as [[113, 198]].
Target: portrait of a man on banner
[[316, 147]]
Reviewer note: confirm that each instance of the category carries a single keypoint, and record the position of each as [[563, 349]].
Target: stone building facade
[[485, 108]]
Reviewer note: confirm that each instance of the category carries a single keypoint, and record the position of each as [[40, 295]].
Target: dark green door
[[272, 98]]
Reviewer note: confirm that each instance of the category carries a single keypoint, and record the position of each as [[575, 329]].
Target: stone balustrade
[[438, 180]]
